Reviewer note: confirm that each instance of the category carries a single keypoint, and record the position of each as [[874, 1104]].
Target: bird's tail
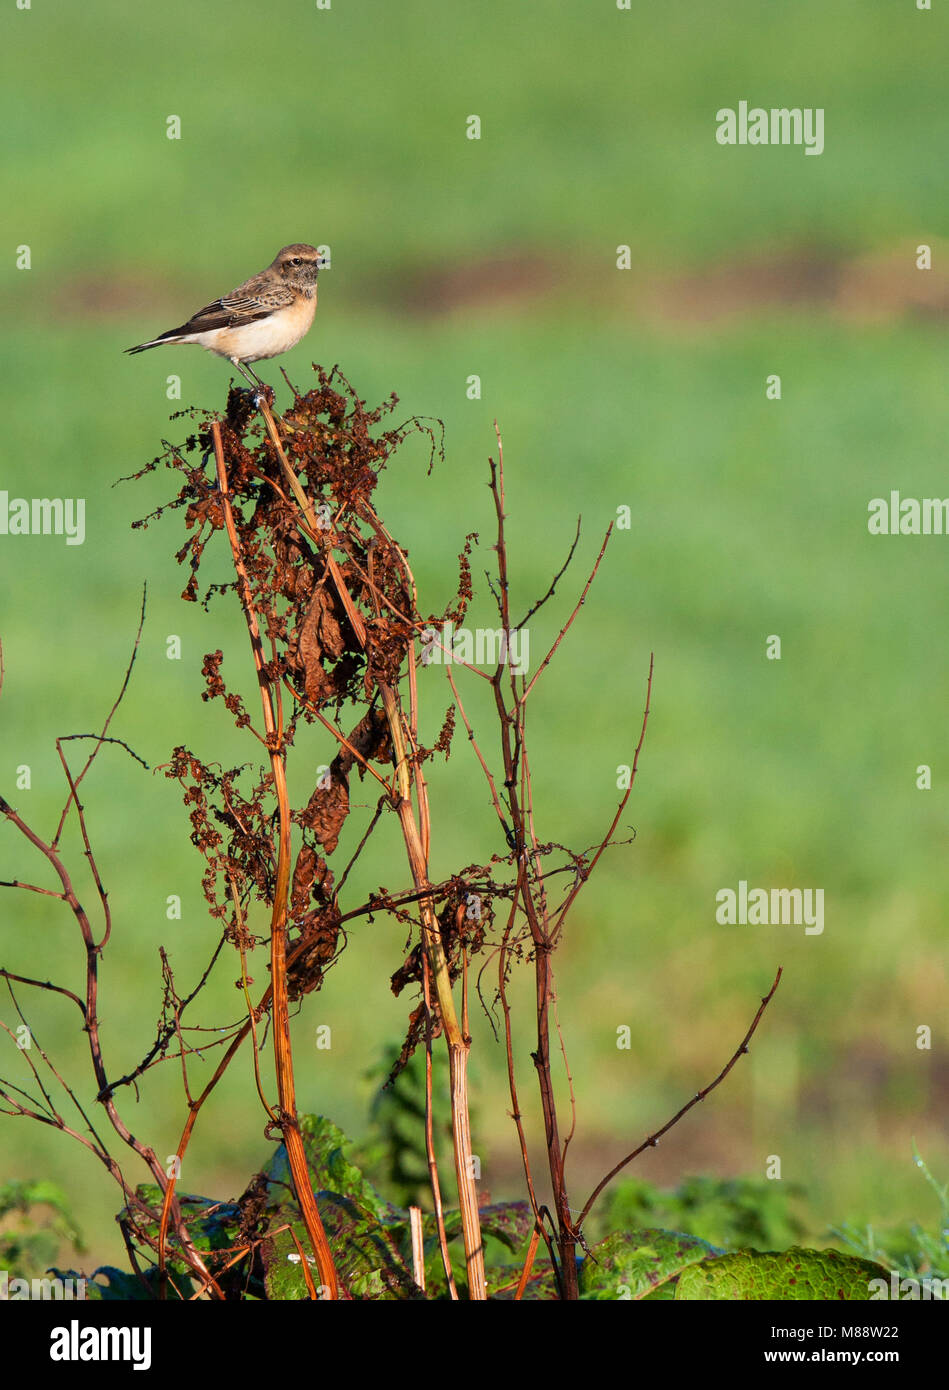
[[172, 336]]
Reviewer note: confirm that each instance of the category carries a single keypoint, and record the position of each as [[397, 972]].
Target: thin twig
[[569, 623], [101, 737], [653, 1139]]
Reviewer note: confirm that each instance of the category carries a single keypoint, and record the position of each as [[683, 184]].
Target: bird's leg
[[259, 388], [247, 374]]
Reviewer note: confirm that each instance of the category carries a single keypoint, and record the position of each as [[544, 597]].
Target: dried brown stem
[[283, 1053], [430, 1137], [416, 842], [89, 1009], [511, 723]]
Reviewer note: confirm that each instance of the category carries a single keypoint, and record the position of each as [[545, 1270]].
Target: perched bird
[[267, 315]]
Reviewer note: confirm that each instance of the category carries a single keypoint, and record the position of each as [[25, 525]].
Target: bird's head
[[298, 265]]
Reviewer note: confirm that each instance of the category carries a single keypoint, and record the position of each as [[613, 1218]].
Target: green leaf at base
[[791, 1274]]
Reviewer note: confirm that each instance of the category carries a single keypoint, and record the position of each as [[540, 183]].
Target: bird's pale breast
[[268, 337]]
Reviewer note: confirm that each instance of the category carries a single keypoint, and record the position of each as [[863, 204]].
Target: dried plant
[[337, 639]]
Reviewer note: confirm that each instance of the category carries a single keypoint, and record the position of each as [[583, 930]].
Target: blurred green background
[[642, 388]]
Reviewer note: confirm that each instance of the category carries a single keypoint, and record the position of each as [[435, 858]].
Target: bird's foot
[[262, 395]]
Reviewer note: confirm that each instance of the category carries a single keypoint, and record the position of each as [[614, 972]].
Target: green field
[[642, 389]]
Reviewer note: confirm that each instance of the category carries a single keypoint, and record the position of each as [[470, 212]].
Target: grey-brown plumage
[[266, 315]]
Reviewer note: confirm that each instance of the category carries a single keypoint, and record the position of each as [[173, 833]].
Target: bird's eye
[[296, 260]]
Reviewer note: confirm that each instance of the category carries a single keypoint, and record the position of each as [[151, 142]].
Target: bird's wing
[[243, 305]]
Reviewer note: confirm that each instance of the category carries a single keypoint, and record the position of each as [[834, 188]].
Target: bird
[[266, 315]]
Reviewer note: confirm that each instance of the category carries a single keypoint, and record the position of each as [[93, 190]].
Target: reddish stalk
[[283, 1053], [416, 840]]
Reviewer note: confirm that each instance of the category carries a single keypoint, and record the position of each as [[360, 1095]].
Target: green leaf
[[633, 1265], [369, 1237], [368, 1261], [211, 1225], [792, 1274], [541, 1286], [326, 1149], [509, 1222]]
